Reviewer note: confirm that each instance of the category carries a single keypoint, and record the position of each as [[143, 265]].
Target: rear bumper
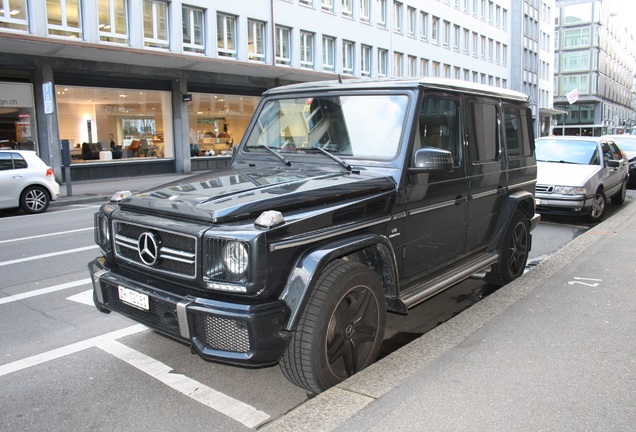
[[242, 334]]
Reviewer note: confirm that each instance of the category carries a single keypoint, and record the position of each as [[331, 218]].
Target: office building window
[[326, 5], [306, 50], [256, 40], [466, 46], [193, 34], [226, 35], [306, 2], [412, 66], [423, 26], [398, 67], [365, 10], [347, 57], [113, 21], [383, 60], [347, 8], [424, 67], [397, 17], [446, 34], [328, 53], [63, 18], [365, 61], [436, 69], [435, 30], [283, 44], [381, 13], [456, 37], [156, 24], [14, 16]]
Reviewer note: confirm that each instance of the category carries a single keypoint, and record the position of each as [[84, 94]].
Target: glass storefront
[[17, 116], [217, 122], [107, 124]]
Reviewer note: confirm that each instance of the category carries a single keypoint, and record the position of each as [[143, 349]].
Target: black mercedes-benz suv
[[343, 201]]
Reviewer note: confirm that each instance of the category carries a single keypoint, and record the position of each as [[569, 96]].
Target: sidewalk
[[552, 351]]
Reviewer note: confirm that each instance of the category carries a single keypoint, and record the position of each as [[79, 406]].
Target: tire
[[598, 207], [514, 248], [340, 330], [34, 199], [619, 198]]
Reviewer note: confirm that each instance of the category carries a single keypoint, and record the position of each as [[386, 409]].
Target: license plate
[[133, 298]]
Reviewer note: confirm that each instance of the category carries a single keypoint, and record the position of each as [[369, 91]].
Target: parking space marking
[[233, 408], [85, 297], [34, 293], [46, 235], [52, 254], [54, 354]]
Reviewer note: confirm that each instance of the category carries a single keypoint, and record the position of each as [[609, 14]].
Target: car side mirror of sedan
[[612, 163]]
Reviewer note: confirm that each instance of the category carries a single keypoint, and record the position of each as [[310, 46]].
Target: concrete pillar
[[48, 129], [181, 125]]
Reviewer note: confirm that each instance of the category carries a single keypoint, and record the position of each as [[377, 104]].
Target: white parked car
[[26, 182], [627, 143], [576, 175]]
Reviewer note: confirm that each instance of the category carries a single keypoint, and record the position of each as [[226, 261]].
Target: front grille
[[222, 333], [544, 189], [176, 252], [161, 314]]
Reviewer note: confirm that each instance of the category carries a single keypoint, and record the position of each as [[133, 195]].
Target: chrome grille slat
[[176, 254]]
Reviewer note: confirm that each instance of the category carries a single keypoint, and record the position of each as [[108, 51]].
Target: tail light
[[49, 172]]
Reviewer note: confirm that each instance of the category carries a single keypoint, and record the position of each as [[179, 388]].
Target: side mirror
[[431, 159], [613, 163]]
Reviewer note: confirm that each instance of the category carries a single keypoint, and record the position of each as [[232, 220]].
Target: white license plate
[[133, 298]]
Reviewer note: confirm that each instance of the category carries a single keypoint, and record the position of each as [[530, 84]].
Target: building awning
[[551, 111]]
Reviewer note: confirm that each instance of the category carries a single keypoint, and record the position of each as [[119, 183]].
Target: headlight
[[235, 257], [569, 190], [102, 232]]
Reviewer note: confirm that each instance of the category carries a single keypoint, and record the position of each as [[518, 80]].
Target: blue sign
[[47, 91]]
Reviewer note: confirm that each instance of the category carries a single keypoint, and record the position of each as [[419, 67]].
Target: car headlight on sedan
[[570, 190]]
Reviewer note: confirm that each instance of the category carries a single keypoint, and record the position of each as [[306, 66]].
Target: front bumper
[[242, 334], [563, 205]]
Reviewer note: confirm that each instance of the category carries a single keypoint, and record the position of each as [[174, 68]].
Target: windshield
[[364, 127], [628, 143], [564, 151]]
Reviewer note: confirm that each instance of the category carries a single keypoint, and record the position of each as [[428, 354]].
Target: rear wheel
[[598, 206], [34, 199], [619, 198], [513, 250], [340, 330]]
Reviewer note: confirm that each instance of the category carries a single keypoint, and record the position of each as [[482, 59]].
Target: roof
[[405, 83]]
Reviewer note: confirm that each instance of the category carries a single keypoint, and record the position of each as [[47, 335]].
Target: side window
[[615, 151], [482, 134], [18, 161], [439, 124], [5, 162], [517, 132], [607, 151]]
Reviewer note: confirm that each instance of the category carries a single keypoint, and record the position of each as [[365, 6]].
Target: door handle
[[459, 199]]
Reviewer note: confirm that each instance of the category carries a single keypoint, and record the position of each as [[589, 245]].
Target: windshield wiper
[[341, 162], [278, 155]]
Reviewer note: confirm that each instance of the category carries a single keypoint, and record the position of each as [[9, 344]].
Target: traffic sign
[[47, 91]]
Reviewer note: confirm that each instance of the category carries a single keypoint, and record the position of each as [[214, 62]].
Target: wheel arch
[[521, 200], [372, 250]]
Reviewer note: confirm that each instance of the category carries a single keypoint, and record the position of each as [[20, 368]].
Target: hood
[[564, 174], [631, 155], [234, 194]]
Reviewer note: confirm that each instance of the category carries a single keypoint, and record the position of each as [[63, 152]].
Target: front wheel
[[598, 206], [340, 330], [513, 252]]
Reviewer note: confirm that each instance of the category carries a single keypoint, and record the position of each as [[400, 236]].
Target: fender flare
[[311, 264], [522, 200]]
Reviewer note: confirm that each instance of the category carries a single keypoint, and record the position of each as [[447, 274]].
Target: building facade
[[153, 86], [594, 63]]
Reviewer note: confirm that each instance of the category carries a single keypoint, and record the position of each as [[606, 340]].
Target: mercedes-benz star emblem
[[148, 248]]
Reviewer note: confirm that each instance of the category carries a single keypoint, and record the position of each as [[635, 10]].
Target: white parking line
[[34, 293], [52, 254], [46, 235], [214, 399], [68, 349]]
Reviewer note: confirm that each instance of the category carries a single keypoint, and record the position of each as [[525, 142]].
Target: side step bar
[[417, 294]]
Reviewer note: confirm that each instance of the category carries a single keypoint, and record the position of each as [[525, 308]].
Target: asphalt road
[[65, 366]]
